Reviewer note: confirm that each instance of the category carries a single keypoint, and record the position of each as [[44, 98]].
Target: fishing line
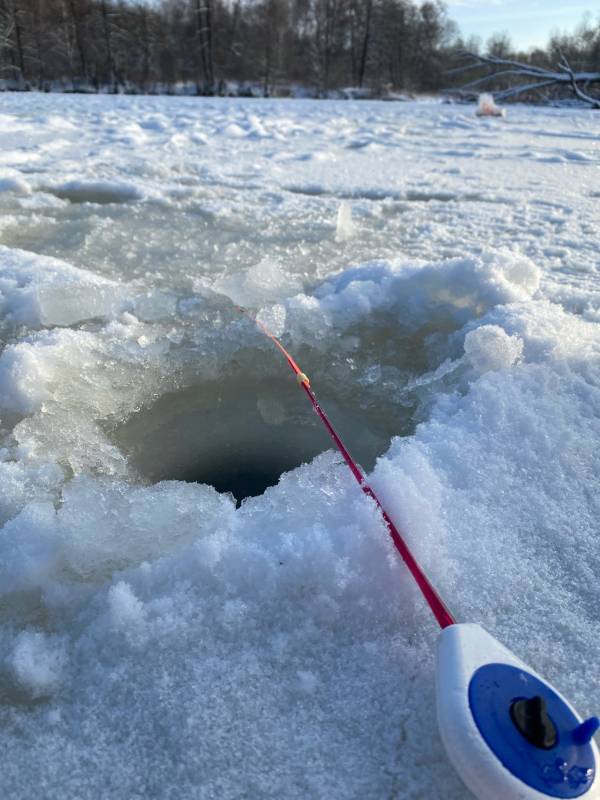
[[438, 607]]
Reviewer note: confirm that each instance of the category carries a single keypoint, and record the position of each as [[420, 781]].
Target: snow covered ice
[[437, 276]]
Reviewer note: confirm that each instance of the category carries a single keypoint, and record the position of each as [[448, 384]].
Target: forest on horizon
[[268, 47]]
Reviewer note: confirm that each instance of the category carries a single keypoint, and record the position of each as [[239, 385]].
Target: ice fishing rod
[[435, 602], [509, 734]]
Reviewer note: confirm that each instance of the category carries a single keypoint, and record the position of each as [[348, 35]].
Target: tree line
[[205, 44], [266, 46]]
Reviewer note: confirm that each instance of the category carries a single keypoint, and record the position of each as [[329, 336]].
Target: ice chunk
[[264, 282], [489, 347], [154, 305], [73, 440], [41, 291], [107, 526], [344, 225]]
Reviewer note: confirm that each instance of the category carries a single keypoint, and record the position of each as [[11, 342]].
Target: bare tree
[[13, 14], [366, 40], [327, 16], [38, 33], [77, 12], [106, 15], [271, 19], [433, 33], [204, 35]]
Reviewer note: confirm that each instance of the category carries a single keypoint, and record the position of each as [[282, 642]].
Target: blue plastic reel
[[562, 767]]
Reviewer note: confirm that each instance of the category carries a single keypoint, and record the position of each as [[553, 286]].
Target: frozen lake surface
[[437, 277]]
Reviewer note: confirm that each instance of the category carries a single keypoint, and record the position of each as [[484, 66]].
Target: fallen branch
[[504, 67], [586, 98]]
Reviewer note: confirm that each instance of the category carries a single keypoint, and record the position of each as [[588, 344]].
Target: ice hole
[[239, 434]]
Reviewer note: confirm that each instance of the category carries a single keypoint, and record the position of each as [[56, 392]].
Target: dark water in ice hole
[[241, 435]]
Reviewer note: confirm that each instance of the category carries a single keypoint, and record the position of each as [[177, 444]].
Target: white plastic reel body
[[462, 650]]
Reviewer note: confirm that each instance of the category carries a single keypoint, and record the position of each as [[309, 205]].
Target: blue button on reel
[[565, 770]]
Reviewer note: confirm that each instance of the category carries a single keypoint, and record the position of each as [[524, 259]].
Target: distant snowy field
[[438, 278]]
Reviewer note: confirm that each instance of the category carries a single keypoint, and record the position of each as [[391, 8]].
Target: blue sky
[[528, 22]]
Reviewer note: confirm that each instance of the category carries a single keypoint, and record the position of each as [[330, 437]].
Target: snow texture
[[436, 275]]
